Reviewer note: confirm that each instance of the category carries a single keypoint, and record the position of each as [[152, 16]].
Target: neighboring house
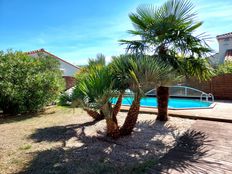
[[225, 49], [69, 70]]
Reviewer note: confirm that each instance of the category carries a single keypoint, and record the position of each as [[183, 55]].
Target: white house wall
[[68, 70]]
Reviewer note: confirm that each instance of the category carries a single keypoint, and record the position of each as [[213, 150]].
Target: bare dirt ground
[[63, 140]]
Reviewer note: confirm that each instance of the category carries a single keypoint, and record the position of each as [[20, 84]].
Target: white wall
[[67, 69]]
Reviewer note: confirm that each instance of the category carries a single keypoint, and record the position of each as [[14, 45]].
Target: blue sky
[[76, 30]]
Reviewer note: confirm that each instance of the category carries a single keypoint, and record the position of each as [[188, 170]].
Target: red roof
[[43, 51], [223, 36], [228, 55]]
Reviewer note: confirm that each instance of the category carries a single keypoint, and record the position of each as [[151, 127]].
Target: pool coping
[[152, 110]]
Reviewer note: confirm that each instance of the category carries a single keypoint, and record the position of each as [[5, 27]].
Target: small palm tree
[[136, 74], [94, 92], [99, 61], [167, 32]]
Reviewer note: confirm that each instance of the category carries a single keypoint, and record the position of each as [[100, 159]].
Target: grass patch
[[25, 147], [17, 161]]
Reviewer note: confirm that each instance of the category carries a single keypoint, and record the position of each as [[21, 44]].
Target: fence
[[220, 86]]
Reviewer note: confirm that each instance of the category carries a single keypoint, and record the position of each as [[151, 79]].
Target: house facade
[[69, 70], [225, 49]]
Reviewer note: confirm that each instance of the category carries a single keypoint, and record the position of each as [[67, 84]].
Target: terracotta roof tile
[[226, 35], [43, 51], [228, 55]]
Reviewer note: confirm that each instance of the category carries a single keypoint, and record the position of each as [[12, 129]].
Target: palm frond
[[96, 88]]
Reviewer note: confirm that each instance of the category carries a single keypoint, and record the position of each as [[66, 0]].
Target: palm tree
[[136, 74], [94, 92], [119, 71], [84, 71], [99, 60], [167, 32], [93, 63]]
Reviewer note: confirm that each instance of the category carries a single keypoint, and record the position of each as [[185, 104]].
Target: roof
[[223, 36], [228, 55], [52, 55]]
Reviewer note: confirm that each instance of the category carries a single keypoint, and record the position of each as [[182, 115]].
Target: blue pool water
[[173, 103]]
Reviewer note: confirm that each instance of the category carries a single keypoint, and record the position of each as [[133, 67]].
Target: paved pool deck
[[206, 149], [222, 111]]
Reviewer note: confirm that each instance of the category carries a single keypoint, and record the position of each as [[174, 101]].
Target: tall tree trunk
[[112, 125], [94, 114], [117, 106], [162, 97], [131, 118]]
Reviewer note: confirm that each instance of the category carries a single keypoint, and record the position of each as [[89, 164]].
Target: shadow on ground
[[6, 118], [138, 153], [58, 133], [187, 155]]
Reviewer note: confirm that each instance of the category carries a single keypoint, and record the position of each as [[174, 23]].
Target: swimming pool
[[173, 103]]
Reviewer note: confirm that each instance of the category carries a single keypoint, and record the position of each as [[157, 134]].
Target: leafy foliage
[[99, 61], [141, 73], [168, 33], [26, 83], [64, 99], [95, 88], [224, 68]]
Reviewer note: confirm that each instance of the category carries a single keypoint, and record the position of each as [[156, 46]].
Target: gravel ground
[[67, 141]]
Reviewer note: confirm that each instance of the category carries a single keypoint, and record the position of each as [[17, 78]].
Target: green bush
[[64, 99], [26, 83], [224, 68]]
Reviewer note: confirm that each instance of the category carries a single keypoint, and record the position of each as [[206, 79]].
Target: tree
[[167, 33], [93, 64], [27, 84], [138, 73], [99, 60], [94, 92], [224, 68]]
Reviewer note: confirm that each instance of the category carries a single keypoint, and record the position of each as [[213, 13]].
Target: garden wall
[[220, 86], [70, 81]]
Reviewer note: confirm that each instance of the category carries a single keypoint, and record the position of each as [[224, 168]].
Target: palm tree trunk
[[117, 106], [131, 118], [101, 114], [94, 114], [112, 125], [112, 128], [162, 97]]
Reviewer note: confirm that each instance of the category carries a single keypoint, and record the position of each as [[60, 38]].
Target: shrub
[[64, 99], [26, 83], [224, 68]]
